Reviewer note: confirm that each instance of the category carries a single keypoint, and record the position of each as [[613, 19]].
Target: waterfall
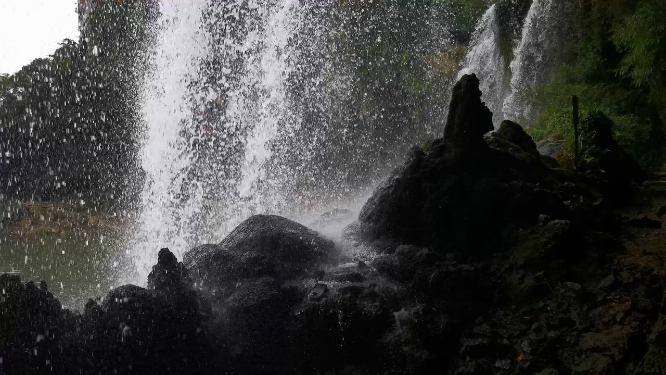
[[486, 61], [538, 52], [537, 55], [168, 204], [185, 200], [256, 107]]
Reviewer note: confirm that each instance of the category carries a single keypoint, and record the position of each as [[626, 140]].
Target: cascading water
[[486, 61], [539, 52], [168, 205], [256, 107], [183, 190], [267, 70]]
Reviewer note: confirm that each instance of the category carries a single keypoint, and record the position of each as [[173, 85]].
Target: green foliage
[[616, 67], [641, 36]]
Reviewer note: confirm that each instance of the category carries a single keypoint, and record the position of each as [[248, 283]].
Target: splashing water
[[248, 111], [183, 200], [267, 68], [168, 208]]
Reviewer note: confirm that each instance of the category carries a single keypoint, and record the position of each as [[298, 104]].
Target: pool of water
[[73, 248]]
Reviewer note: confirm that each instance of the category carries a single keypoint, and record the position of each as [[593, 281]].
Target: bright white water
[[485, 60], [185, 201], [270, 68], [267, 69], [538, 52], [540, 49], [166, 215]]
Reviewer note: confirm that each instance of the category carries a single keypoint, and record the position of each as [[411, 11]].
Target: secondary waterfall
[[486, 61], [540, 50]]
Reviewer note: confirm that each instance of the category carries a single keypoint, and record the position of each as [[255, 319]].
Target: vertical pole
[[575, 125]]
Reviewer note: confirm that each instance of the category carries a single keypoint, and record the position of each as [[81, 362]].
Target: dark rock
[[30, 324], [405, 262], [653, 363], [612, 342], [168, 276], [572, 286], [453, 204], [515, 134], [498, 142], [625, 277], [551, 146], [346, 274], [594, 364], [464, 196], [644, 305], [483, 348], [553, 240], [549, 161], [263, 245], [503, 364], [661, 211], [469, 119], [608, 283], [318, 292], [644, 222]]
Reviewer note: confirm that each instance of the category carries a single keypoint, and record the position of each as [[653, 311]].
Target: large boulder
[[137, 329], [551, 146], [254, 279], [515, 134], [263, 245], [30, 323]]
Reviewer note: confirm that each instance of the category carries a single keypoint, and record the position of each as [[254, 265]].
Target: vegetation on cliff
[[616, 64]]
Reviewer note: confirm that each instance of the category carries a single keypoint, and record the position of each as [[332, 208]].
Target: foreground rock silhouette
[[488, 261]]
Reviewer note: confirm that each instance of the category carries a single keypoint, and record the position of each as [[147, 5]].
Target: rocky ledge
[[489, 261]]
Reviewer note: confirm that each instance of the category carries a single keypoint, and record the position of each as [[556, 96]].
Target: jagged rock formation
[[469, 119], [461, 193]]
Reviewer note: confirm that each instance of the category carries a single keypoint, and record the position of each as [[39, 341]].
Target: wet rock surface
[[263, 245], [552, 146], [487, 261]]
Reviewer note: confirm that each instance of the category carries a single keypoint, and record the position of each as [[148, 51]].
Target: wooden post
[[575, 125]]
